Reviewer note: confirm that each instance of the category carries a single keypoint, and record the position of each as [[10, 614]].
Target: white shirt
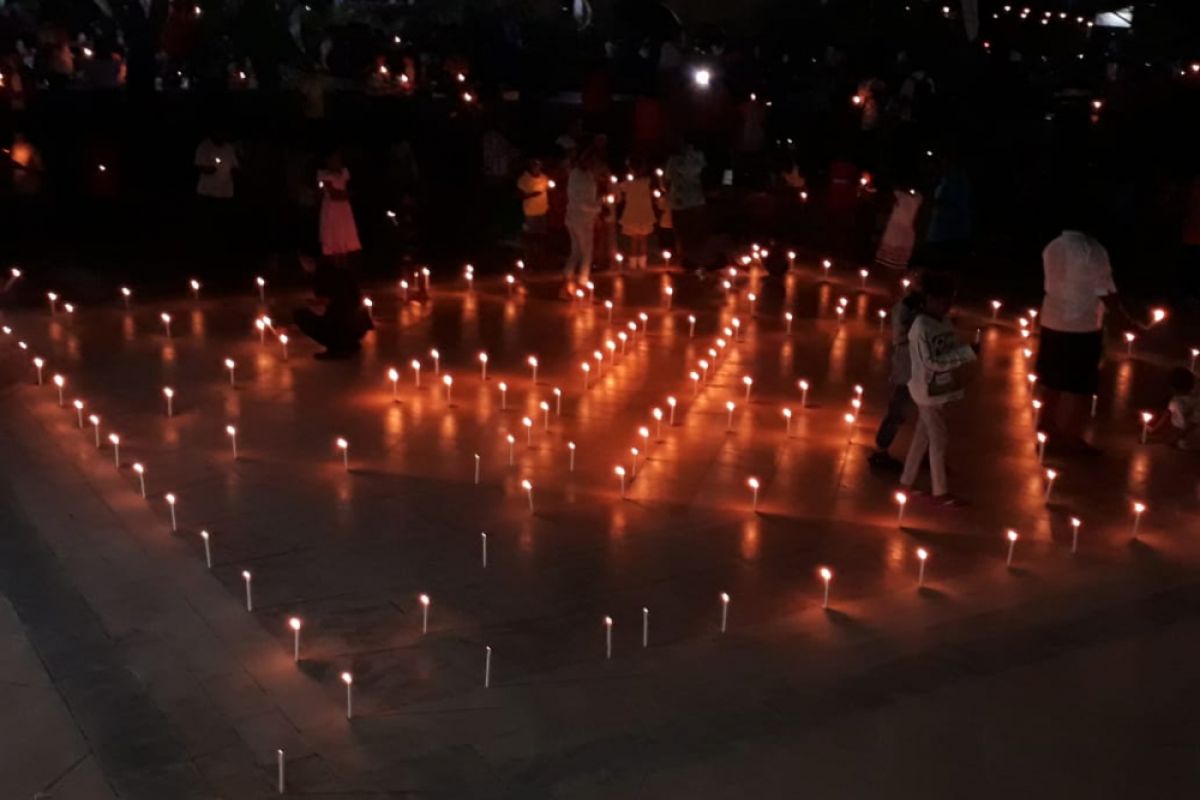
[[1077, 275], [582, 204], [223, 159], [934, 351]]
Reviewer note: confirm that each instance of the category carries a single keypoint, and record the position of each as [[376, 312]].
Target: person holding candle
[[637, 212], [1079, 290], [345, 320], [534, 188], [900, 403], [937, 360], [339, 234], [583, 206]]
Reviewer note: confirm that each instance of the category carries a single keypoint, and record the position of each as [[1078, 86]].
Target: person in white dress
[[339, 234], [896, 247]]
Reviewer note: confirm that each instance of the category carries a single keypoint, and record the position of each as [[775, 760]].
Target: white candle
[[657, 413], [826, 576], [448, 380], [528, 487], [587, 368], [557, 402], [283, 343], [126, 293], [53, 299], [1075, 523], [826, 265], [1147, 418], [95, 420], [141, 473], [348, 679], [1138, 509], [477, 469], [571, 451], [545, 407], [729, 407], [1050, 476], [1037, 412], [59, 383], [483, 546], [1041, 446], [166, 321], [1195, 353], [424, 600], [262, 289], [528, 423], [633, 458], [394, 376], [864, 274], [229, 365], [115, 440], [691, 326], [295, 624], [995, 308], [803, 384], [487, 667], [78, 412], [38, 363], [503, 395], [1129, 339], [608, 626], [882, 318], [483, 361], [901, 501], [787, 321], [669, 293], [1012, 544], [437, 361], [194, 285], [207, 549], [231, 432], [620, 473], [170, 498], [416, 368], [344, 446], [748, 382], [247, 579], [608, 306], [753, 484], [169, 394], [511, 441], [922, 555], [645, 627], [281, 784]]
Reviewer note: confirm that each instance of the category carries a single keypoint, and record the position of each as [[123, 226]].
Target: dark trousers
[[900, 407], [334, 335]]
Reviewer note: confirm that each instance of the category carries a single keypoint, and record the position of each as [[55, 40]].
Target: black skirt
[[1070, 362]]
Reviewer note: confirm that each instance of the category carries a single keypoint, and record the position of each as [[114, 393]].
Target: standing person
[[896, 247], [582, 207], [339, 234], [900, 403], [685, 197], [1079, 289], [534, 188], [215, 160], [936, 357], [637, 214]]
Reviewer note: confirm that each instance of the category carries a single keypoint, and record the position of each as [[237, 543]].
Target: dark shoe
[[882, 459]]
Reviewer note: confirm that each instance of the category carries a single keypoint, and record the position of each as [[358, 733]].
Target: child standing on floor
[[936, 356], [900, 403], [637, 216]]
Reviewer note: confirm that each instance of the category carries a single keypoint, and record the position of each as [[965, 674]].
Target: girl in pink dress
[[339, 234]]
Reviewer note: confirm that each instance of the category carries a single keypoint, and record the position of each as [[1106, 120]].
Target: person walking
[[339, 234], [583, 205], [936, 358], [900, 403]]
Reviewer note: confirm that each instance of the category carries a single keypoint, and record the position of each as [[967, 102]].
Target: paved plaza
[[139, 672]]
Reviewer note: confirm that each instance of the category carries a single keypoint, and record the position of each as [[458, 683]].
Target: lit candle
[[53, 300], [248, 580], [394, 376], [608, 626], [477, 469], [557, 402], [295, 624], [1041, 446], [692, 326], [262, 289], [283, 343], [1147, 418], [512, 440], [1138, 509], [503, 395], [416, 368], [231, 432], [483, 361], [1157, 315], [528, 487], [424, 599], [437, 361], [448, 380], [169, 394], [1195, 353], [95, 420], [849, 418], [724, 611], [657, 413], [620, 473], [995, 308], [787, 320], [826, 265], [882, 318], [194, 285], [666, 254], [403, 290], [803, 385], [827, 576], [671, 403], [864, 274], [141, 473], [571, 456], [1075, 523], [1095, 399], [753, 484], [1037, 411], [669, 293], [344, 446], [207, 549], [729, 407], [166, 321], [59, 383], [901, 501], [170, 498], [791, 258], [633, 458], [587, 368], [748, 382], [115, 441], [229, 365], [922, 556], [1129, 338], [348, 679], [528, 423], [38, 363], [644, 432], [533, 366], [1050, 476], [608, 307], [1012, 544], [78, 412]]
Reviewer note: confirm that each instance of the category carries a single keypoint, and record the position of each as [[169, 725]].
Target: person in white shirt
[[936, 358], [533, 186], [215, 160], [1079, 291], [583, 205]]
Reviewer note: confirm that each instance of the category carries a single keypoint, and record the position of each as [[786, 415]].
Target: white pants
[[930, 436], [582, 233]]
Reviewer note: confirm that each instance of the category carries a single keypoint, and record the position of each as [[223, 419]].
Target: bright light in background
[[702, 77], [1120, 18]]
